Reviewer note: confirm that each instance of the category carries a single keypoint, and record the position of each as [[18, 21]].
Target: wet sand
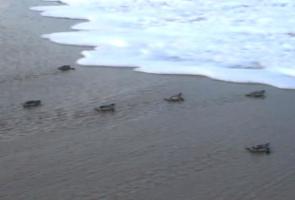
[[148, 149]]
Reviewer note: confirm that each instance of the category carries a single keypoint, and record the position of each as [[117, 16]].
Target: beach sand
[[148, 149]]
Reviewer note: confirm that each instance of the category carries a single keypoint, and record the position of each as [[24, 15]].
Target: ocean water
[[246, 41]]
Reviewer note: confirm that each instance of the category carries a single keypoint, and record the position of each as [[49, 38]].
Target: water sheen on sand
[[148, 149], [234, 40]]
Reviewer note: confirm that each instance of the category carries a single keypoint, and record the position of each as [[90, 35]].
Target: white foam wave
[[231, 40]]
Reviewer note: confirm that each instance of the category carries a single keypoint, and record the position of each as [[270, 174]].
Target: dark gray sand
[[149, 149]]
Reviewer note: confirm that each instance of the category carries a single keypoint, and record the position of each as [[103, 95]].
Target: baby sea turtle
[[175, 98], [260, 148], [256, 94], [32, 103], [106, 108], [65, 68]]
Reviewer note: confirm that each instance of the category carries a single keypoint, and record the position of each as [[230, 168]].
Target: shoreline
[[267, 77], [148, 149]]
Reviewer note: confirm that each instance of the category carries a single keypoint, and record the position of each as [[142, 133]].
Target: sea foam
[[246, 41]]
